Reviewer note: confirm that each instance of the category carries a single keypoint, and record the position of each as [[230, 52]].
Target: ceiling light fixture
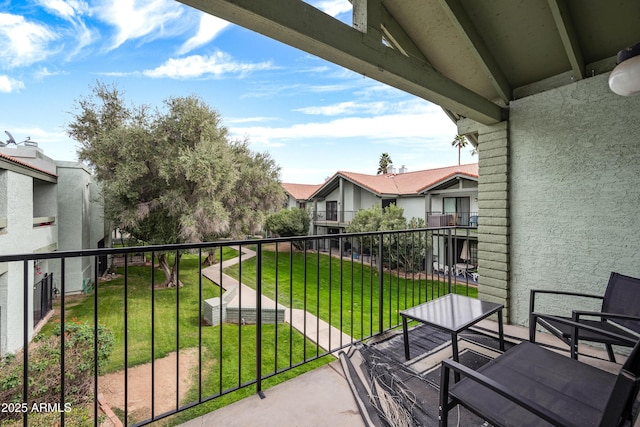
[[625, 78]]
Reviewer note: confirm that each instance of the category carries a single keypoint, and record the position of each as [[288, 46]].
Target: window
[[459, 207], [302, 205], [332, 211], [387, 202]]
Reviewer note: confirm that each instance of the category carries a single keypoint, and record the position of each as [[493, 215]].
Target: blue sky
[[313, 117]]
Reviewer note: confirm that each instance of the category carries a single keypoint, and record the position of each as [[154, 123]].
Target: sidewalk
[[318, 398], [316, 330]]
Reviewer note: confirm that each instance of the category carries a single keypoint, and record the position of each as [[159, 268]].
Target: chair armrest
[[577, 325], [605, 315], [556, 292], [503, 390]]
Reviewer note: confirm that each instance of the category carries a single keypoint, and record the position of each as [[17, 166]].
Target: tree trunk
[[170, 273], [210, 259]]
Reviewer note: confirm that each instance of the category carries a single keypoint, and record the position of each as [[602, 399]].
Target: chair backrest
[[625, 391], [623, 297]]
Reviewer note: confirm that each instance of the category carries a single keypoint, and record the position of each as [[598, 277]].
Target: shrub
[[44, 368], [290, 223]]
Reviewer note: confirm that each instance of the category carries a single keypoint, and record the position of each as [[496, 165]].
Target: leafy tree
[[460, 141], [376, 219], [172, 175], [289, 223], [413, 248], [384, 164]]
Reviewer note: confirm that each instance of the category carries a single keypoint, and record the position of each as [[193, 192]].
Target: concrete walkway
[[321, 397], [316, 330]]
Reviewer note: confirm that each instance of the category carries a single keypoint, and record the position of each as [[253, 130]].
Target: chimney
[[403, 169]]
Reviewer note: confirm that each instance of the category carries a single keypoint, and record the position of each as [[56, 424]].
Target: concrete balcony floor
[[323, 397]]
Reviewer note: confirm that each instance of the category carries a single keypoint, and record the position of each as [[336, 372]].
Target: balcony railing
[[446, 219], [283, 306], [338, 217]]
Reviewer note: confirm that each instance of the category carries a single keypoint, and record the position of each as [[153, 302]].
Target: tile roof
[[409, 182], [300, 191], [22, 163]]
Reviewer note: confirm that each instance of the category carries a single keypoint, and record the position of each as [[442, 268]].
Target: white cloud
[[139, 18], [72, 11], [346, 108], [268, 89], [210, 27], [44, 72], [410, 128], [197, 66], [333, 7], [260, 119], [21, 42], [350, 108], [68, 9], [8, 84]]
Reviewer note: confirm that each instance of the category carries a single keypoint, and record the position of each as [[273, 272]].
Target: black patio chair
[[617, 322], [532, 386]]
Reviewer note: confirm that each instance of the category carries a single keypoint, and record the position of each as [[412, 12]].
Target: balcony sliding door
[[459, 207], [332, 211]]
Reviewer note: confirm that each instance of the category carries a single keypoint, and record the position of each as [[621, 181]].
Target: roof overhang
[[23, 169], [446, 183], [470, 57], [301, 25]]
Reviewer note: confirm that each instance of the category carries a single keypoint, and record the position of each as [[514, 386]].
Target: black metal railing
[[42, 298], [269, 316], [444, 219], [342, 217]]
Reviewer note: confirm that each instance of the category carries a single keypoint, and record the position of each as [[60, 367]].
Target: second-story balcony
[[247, 315], [333, 217], [450, 219], [273, 308]]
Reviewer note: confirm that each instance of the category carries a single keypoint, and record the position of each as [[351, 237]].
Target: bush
[[289, 223], [412, 256], [44, 368]]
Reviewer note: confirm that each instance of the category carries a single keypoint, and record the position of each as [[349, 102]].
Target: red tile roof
[[22, 163], [409, 182], [300, 191]]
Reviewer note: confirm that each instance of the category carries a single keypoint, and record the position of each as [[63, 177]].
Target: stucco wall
[[412, 206], [81, 223], [575, 190], [368, 200], [19, 238], [349, 196]]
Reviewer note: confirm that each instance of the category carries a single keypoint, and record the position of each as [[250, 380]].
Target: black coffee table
[[451, 313]]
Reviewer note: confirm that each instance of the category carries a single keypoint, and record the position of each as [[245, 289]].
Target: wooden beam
[[567, 31], [399, 38], [301, 25], [460, 19]]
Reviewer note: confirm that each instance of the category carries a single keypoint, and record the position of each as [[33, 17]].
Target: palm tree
[[459, 141], [385, 162]]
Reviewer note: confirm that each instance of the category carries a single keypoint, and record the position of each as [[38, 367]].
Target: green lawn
[[341, 292], [228, 352]]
